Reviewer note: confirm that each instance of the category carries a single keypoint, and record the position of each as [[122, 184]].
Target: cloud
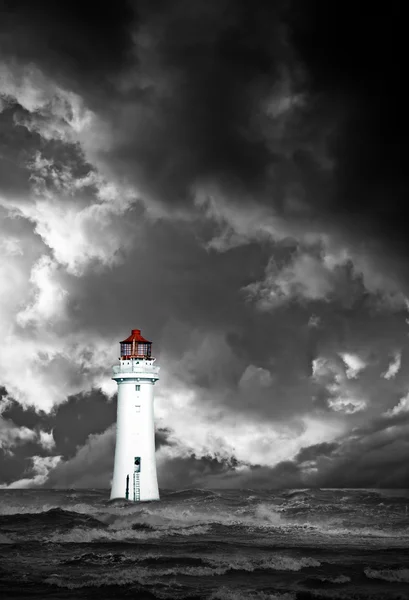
[[205, 173], [11, 436], [341, 396], [394, 367], [47, 440], [92, 465], [41, 466], [354, 364], [401, 407]]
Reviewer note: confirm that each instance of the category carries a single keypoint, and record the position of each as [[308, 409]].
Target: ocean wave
[[160, 574], [204, 565], [165, 517], [335, 579], [5, 540], [80, 535], [171, 517], [95, 558], [175, 516], [367, 532], [52, 518], [147, 558], [120, 577], [298, 492], [149, 576], [191, 493], [8, 510], [225, 593], [267, 514], [392, 575], [138, 519], [274, 562], [134, 575]]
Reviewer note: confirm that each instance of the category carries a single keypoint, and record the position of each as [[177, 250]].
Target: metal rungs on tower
[[136, 488]]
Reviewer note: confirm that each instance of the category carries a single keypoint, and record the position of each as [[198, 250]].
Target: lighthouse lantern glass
[[136, 350], [126, 349]]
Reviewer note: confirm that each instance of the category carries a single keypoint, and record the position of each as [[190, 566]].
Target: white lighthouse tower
[[135, 465]]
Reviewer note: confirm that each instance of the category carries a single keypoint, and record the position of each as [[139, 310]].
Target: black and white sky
[[231, 177]]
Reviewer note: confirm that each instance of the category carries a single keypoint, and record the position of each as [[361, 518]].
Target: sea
[[201, 544]]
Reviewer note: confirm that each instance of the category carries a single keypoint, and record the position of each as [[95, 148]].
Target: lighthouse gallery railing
[[135, 369]]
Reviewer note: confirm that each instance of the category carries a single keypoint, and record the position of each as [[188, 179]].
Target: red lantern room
[[135, 346]]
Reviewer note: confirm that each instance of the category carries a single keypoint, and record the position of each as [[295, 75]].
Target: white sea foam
[[336, 579], [144, 576], [8, 510], [118, 577], [214, 567], [393, 575], [183, 517], [276, 562], [171, 517], [225, 593], [360, 532], [267, 514], [79, 535]]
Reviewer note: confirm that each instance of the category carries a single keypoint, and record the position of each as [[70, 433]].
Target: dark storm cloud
[[205, 66], [92, 464], [71, 423], [81, 44], [180, 82], [194, 471], [23, 417], [189, 86], [360, 461], [182, 91], [17, 146], [91, 467], [161, 438], [79, 417], [17, 464], [207, 472], [312, 452], [355, 62], [197, 74], [83, 434]]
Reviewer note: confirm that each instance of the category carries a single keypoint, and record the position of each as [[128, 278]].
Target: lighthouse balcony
[[135, 366]]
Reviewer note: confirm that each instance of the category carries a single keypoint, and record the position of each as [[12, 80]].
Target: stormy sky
[[230, 177]]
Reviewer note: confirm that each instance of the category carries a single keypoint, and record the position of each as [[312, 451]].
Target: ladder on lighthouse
[[136, 488], [136, 482]]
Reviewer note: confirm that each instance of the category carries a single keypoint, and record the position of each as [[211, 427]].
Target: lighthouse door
[[136, 482]]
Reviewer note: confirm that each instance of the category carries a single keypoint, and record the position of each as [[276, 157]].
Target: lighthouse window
[[138, 388], [126, 349]]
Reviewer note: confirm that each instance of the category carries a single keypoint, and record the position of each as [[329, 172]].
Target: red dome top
[[135, 337], [136, 346]]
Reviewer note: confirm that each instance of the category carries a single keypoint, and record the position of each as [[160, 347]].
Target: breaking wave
[[144, 575], [335, 579], [198, 565], [225, 593], [392, 575], [8, 510], [205, 544], [275, 562], [87, 536], [127, 522]]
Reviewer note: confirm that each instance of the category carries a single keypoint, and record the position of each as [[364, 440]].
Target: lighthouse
[[135, 476]]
